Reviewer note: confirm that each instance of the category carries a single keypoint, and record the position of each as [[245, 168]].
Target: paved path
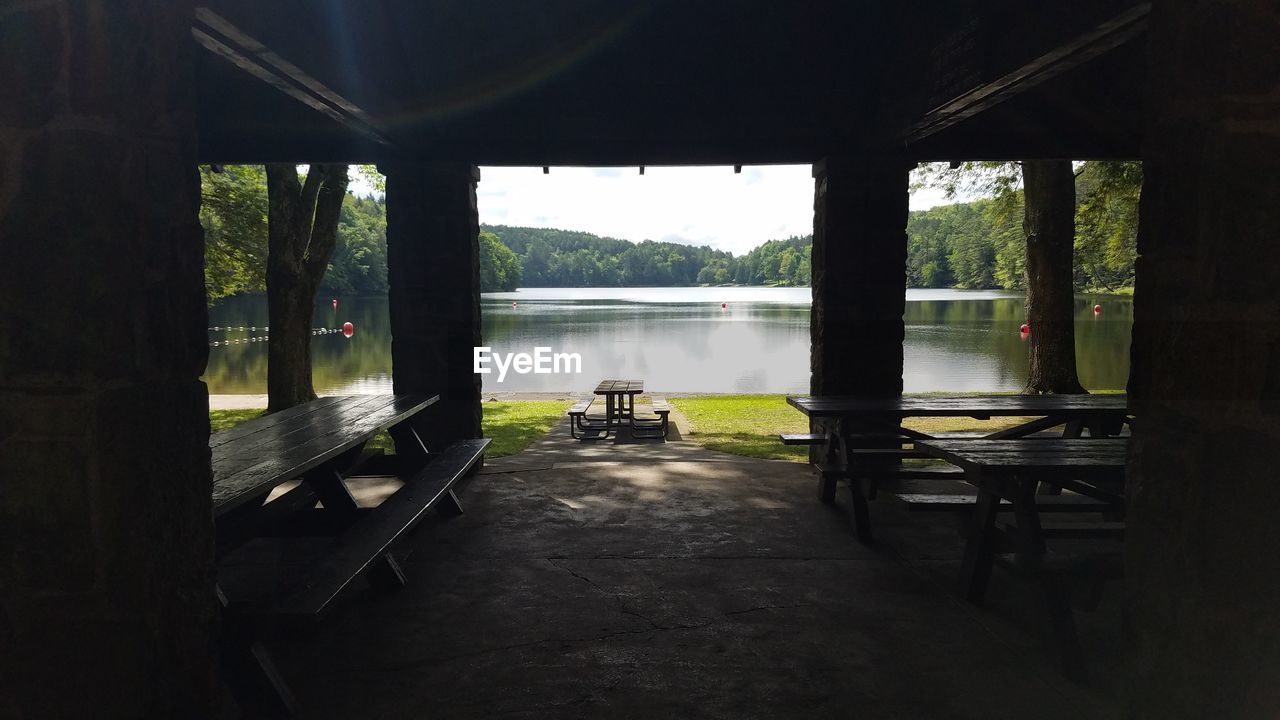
[[651, 580]]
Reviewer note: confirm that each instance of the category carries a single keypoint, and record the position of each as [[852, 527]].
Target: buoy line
[[259, 338]]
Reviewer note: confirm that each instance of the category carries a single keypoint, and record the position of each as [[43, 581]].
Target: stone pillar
[[106, 533], [859, 275], [1202, 575], [433, 268]]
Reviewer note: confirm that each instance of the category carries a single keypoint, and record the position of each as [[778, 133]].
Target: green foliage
[[565, 258], [980, 244], [499, 267], [778, 262], [976, 244], [359, 262], [1107, 223], [969, 179], [233, 211], [371, 175]]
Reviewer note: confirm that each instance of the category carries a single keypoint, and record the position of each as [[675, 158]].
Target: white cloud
[[697, 205], [694, 205]]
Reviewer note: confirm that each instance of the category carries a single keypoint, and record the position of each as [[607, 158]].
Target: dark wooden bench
[[652, 428], [941, 502], [1065, 581], [803, 438], [318, 445], [360, 550], [887, 441], [579, 426], [581, 407], [863, 480]]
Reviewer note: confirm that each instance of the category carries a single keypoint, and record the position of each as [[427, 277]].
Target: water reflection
[[682, 340]]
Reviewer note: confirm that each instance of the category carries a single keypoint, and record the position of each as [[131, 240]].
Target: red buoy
[[335, 303], [514, 304], [348, 329], [724, 305], [1097, 309], [1025, 329]]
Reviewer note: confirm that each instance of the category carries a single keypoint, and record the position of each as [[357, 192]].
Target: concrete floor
[[642, 580]]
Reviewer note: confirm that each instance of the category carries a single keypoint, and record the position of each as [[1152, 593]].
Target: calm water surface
[[682, 340]]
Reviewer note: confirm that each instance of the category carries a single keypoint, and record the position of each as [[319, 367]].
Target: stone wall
[[106, 585], [1203, 579], [859, 275], [433, 268]]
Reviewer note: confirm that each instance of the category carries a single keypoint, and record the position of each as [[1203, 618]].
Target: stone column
[[859, 275], [433, 267], [106, 532], [859, 288], [1202, 574]]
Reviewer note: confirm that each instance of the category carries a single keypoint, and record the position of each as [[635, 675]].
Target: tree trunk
[[302, 230], [1049, 225]]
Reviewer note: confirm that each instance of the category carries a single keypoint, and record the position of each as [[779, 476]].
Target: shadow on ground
[[629, 579]]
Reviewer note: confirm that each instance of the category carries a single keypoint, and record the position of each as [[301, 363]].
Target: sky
[[691, 205]]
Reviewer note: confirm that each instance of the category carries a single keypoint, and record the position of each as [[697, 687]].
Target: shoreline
[[259, 402]]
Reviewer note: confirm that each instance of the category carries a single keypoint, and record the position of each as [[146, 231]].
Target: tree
[[499, 267], [302, 229], [1048, 199], [1049, 226]]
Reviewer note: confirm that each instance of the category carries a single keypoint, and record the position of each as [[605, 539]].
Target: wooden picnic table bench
[[320, 445], [864, 439], [656, 426], [620, 398], [620, 401], [1008, 474]]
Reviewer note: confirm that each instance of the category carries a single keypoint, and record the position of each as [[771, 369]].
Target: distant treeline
[[567, 258], [969, 245]]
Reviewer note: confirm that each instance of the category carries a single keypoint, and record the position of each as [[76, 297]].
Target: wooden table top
[[633, 387], [1035, 455], [253, 457], [980, 407]]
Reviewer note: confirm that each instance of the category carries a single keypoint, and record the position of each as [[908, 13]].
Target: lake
[[681, 340]]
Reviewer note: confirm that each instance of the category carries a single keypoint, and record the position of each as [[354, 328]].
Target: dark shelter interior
[[106, 109]]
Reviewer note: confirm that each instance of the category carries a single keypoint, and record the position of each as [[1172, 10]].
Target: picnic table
[[620, 399], [1012, 472], [863, 437], [320, 444]]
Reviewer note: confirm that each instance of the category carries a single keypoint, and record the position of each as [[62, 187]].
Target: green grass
[[744, 424], [750, 424], [226, 419], [512, 425]]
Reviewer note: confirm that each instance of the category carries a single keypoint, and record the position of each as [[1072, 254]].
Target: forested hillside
[[976, 244]]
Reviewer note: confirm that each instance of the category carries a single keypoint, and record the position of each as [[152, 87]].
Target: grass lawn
[[512, 425], [750, 424], [227, 419]]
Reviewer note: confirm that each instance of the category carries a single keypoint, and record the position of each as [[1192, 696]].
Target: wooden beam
[[1106, 36], [220, 37]]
